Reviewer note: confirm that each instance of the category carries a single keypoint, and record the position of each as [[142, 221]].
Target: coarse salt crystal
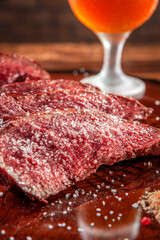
[[157, 102], [50, 226], [80, 230], [135, 205], [92, 224], [68, 195], [28, 238], [52, 214], [98, 214], [3, 232], [61, 224], [68, 209], [82, 192], [114, 191], [1, 194], [98, 210], [69, 228]]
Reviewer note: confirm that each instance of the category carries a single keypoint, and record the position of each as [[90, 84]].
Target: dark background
[[53, 21]]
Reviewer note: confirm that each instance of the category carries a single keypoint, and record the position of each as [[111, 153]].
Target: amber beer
[[113, 16]]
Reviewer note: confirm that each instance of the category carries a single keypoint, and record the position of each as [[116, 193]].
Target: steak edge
[[15, 68]]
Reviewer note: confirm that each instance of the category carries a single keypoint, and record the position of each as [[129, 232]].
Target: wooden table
[[101, 206]]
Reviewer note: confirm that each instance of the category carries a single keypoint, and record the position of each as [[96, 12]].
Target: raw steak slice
[[32, 87], [79, 99], [44, 155], [15, 68]]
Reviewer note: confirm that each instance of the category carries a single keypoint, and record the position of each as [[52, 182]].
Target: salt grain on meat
[[80, 99]]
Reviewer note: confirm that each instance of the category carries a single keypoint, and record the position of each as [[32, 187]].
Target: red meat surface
[[15, 68], [32, 87], [79, 99], [46, 154]]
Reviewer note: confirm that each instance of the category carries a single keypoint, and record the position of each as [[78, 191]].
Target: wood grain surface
[[100, 207], [138, 60]]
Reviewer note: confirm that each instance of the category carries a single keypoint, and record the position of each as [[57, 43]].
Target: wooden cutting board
[[100, 207]]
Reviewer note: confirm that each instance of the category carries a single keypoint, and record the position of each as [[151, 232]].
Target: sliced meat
[[32, 87], [79, 99], [15, 68], [131, 107], [46, 154]]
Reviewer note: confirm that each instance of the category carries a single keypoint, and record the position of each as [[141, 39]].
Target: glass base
[[121, 85]]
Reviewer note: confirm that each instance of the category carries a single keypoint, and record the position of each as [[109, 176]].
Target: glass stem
[[113, 45]]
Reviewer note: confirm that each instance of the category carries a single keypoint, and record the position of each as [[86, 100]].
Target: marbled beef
[[15, 68], [46, 154], [79, 99], [32, 87]]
